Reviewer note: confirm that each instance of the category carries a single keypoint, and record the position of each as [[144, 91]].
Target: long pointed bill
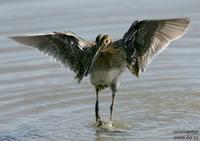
[[93, 60]]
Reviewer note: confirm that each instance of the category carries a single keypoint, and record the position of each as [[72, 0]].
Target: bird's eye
[[106, 41]]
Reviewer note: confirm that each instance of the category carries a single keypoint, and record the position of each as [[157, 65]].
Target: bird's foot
[[104, 124], [99, 122], [110, 124]]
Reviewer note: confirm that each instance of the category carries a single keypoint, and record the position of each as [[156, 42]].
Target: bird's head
[[102, 43]]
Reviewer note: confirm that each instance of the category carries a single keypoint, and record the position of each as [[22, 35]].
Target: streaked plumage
[[105, 59]]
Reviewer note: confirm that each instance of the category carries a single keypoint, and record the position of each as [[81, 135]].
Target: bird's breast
[[108, 66], [104, 77]]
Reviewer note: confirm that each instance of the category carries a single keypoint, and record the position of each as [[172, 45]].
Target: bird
[[104, 59]]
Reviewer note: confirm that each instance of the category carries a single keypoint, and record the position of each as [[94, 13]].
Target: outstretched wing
[[147, 38], [67, 48]]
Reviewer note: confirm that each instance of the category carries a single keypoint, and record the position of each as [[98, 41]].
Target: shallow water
[[40, 100]]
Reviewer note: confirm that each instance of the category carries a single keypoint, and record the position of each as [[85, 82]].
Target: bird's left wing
[[147, 38], [66, 47]]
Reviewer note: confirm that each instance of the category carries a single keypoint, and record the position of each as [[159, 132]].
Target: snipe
[[105, 59]]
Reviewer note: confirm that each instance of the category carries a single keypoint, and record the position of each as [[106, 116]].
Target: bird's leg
[[114, 90], [98, 119]]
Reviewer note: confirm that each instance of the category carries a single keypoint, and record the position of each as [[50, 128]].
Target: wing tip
[[14, 38], [186, 20], [18, 39], [31, 34]]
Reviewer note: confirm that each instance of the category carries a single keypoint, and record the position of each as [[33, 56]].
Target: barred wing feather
[[66, 47], [147, 38]]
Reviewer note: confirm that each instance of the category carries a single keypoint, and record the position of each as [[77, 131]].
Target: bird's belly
[[104, 77]]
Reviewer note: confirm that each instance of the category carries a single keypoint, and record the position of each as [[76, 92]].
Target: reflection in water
[[112, 127], [116, 131], [40, 100]]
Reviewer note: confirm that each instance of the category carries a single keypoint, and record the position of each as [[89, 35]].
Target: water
[[40, 100]]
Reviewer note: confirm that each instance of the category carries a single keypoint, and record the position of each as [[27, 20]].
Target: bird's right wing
[[66, 47], [147, 38]]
